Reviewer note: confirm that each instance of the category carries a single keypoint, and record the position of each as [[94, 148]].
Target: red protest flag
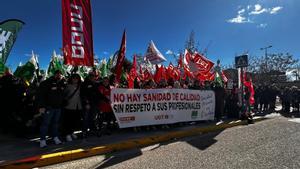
[[225, 79], [77, 32], [132, 74], [249, 85], [141, 75], [187, 73], [147, 75], [157, 75], [121, 58], [180, 62], [176, 73], [204, 65], [170, 71], [133, 71], [163, 72]]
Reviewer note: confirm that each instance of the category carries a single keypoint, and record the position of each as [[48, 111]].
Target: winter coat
[[73, 103], [50, 93]]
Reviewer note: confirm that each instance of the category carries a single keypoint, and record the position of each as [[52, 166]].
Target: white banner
[[139, 107]]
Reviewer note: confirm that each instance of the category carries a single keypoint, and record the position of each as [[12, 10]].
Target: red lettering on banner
[[189, 97], [127, 119], [133, 97], [119, 97], [157, 97], [77, 33], [175, 96]]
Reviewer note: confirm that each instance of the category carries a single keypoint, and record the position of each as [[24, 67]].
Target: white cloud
[[241, 11], [239, 19], [244, 14], [258, 9], [169, 52], [262, 25], [105, 53], [275, 10]]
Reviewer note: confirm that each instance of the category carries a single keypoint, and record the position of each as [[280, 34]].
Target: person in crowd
[[219, 97], [137, 83], [207, 85], [104, 106], [177, 85], [50, 99], [265, 99], [72, 109], [247, 113], [90, 97], [233, 108], [257, 97], [298, 100], [170, 83], [295, 101], [13, 92], [196, 85], [162, 84], [282, 97], [273, 94], [288, 99]]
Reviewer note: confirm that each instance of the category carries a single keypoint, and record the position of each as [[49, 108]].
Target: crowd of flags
[[150, 66], [189, 65]]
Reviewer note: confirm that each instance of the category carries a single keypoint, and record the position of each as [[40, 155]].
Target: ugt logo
[[4, 36], [194, 114]]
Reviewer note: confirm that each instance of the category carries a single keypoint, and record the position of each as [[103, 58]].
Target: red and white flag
[[77, 32], [197, 63], [154, 55], [121, 57]]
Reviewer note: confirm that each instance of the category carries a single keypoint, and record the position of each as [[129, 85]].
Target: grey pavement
[[273, 143], [13, 148]]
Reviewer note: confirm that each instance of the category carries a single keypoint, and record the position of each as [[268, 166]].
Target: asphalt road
[[273, 143]]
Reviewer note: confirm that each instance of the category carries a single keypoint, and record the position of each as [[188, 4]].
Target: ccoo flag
[[77, 32], [8, 35]]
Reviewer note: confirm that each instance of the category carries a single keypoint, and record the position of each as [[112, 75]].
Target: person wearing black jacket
[[50, 99], [90, 99], [220, 98]]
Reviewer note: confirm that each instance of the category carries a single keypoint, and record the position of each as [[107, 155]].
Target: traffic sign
[[241, 61]]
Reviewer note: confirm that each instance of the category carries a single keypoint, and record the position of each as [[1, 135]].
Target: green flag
[[56, 64], [2, 68], [104, 69], [218, 79], [8, 35], [26, 71]]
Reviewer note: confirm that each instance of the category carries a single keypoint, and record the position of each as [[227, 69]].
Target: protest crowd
[[74, 94], [59, 106]]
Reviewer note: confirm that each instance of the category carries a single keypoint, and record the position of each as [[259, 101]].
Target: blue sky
[[230, 26]]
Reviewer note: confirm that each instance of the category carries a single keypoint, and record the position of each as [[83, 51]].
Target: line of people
[[67, 105]]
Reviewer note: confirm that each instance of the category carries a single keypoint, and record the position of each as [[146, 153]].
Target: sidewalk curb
[[55, 158]]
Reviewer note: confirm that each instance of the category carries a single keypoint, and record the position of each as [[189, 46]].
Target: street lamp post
[[266, 54]]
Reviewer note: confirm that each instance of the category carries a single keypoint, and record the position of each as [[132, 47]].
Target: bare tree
[[190, 43], [271, 67]]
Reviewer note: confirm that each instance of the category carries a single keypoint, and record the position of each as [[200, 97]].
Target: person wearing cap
[[50, 98]]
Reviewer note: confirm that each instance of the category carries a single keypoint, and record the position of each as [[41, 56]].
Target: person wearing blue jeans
[[50, 100], [50, 116]]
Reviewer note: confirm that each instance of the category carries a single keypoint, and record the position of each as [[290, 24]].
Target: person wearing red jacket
[[105, 108]]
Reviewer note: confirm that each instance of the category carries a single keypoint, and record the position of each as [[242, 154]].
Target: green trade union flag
[[8, 35]]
